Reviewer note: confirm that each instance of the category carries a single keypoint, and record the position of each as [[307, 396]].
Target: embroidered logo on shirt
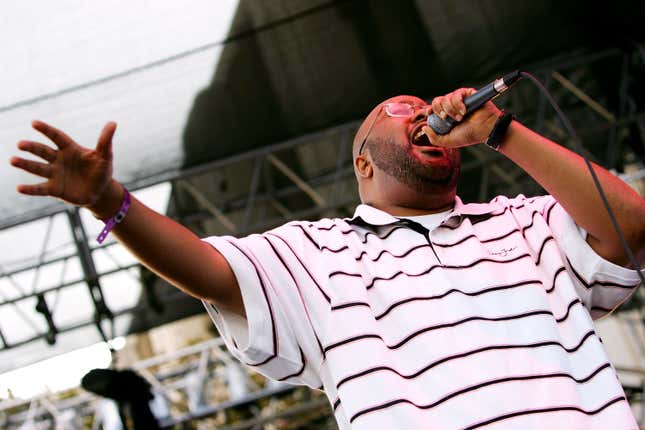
[[503, 252]]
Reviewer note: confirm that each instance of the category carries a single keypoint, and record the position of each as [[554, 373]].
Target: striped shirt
[[482, 321]]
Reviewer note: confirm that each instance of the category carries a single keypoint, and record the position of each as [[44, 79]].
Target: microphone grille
[[440, 126]]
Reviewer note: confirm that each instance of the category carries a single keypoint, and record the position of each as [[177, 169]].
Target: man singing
[[420, 311]]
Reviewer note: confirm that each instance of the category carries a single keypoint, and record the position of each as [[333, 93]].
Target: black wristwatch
[[500, 128]]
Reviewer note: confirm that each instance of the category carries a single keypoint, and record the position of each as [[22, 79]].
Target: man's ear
[[363, 166]]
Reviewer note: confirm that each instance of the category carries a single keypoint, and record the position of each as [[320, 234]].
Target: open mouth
[[419, 138]]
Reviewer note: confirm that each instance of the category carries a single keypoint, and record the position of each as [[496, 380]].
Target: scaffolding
[[202, 382]]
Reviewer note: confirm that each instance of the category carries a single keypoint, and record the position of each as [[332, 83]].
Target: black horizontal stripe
[[558, 320], [336, 404], [588, 285], [316, 244], [349, 305], [483, 217], [324, 228], [304, 266], [476, 293], [555, 275], [307, 235], [274, 336], [539, 256], [459, 242], [386, 235], [335, 251], [547, 410], [455, 290], [428, 270], [492, 239], [451, 227], [462, 355], [548, 212], [492, 215], [364, 253], [303, 360], [342, 272], [478, 386], [526, 227], [364, 239], [507, 208], [503, 236], [435, 327], [566, 315], [385, 251], [520, 229]]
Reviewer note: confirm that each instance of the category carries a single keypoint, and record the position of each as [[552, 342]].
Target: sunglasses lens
[[398, 109]]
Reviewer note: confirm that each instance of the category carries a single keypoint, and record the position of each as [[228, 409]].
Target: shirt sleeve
[[277, 337], [601, 284]]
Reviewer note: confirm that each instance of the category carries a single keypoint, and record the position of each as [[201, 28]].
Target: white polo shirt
[[482, 321]]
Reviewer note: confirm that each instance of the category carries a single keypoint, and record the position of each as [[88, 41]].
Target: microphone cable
[[580, 151]]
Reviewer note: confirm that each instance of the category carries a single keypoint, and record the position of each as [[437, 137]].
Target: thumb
[[104, 146], [434, 138]]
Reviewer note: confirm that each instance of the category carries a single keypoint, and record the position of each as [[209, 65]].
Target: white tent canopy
[[77, 65]]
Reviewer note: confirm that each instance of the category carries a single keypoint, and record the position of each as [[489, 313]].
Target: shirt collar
[[369, 215]]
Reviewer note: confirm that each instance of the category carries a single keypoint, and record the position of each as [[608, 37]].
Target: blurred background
[[233, 117]]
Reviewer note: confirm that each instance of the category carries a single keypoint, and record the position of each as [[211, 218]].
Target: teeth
[[419, 134]]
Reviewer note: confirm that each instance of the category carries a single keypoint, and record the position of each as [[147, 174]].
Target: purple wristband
[[111, 222]]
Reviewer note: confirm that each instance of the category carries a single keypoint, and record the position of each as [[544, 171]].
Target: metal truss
[[202, 383], [312, 177]]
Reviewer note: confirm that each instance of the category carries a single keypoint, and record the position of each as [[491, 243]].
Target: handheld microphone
[[475, 101]]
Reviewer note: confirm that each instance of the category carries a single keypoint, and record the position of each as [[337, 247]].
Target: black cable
[[578, 148]]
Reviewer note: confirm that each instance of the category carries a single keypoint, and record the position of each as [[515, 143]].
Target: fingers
[[41, 189], [43, 151], [449, 105], [35, 167], [452, 104], [104, 145], [437, 108], [444, 141], [433, 137], [57, 136]]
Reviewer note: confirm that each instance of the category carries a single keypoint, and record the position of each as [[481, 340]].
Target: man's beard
[[399, 163]]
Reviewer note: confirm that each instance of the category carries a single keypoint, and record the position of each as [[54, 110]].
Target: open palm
[[73, 173]]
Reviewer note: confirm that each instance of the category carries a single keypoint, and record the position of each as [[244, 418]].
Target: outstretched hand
[[73, 173], [473, 128]]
